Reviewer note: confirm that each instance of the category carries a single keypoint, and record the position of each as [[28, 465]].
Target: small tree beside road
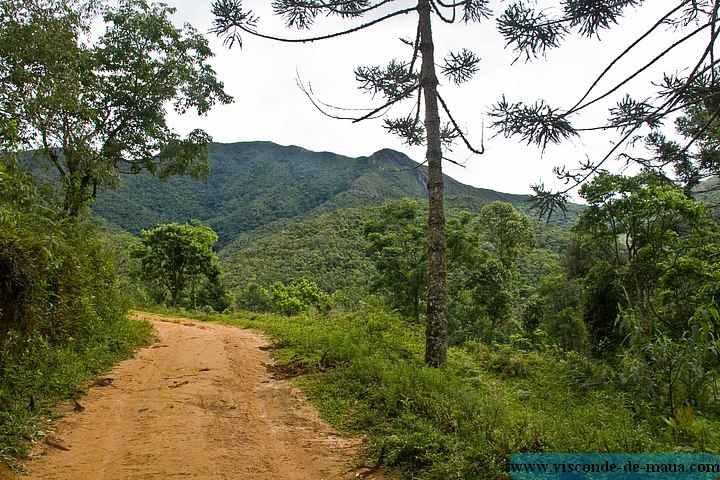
[[178, 258]]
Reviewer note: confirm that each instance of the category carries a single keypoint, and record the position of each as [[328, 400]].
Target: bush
[[22, 262], [673, 373], [254, 298], [292, 299], [62, 321]]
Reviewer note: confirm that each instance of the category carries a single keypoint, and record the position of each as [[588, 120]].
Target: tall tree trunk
[[436, 337]]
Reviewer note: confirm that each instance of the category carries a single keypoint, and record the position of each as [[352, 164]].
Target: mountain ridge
[[253, 184]]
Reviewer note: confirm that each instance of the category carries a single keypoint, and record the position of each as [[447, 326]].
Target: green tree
[[96, 109], [602, 300], [509, 231], [396, 241], [674, 371], [482, 299], [601, 296], [482, 290], [483, 252], [297, 297], [658, 243], [8, 135], [561, 311], [178, 258]]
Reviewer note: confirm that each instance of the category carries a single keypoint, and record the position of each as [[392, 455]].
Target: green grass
[[31, 367], [365, 373]]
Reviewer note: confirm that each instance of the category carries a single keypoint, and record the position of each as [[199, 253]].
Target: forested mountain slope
[[330, 248], [283, 212], [254, 184]]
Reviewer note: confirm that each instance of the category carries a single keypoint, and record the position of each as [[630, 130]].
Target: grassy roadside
[[36, 376], [365, 373]]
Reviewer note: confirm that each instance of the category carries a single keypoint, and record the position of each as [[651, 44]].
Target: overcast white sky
[[269, 106]]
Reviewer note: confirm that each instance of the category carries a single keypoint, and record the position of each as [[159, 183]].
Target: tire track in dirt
[[197, 404]]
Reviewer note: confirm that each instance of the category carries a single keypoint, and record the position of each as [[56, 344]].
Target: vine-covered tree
[[96, 108]]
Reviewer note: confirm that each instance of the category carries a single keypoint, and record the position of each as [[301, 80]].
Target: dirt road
[[198, 404]]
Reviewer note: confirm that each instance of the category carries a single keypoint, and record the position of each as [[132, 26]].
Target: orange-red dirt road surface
[[197, 404]]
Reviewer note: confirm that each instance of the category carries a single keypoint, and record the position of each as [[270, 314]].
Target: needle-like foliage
[[591, 16], [538, 123], [530, 32], [533, 33], [229, 19], [460, 67]]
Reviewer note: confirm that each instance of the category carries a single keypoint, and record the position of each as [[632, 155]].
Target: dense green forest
[[591, 329]]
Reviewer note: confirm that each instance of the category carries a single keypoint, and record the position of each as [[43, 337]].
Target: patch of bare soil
[[198, 404]]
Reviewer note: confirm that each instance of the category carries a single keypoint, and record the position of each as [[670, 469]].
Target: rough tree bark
[[436, 336]]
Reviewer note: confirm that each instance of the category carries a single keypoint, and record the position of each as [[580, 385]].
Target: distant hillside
[[285, 212], [330, 249], [254, 184]]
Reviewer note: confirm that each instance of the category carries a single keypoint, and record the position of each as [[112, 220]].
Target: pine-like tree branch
[[639, 71], [228, 26], [442, 17], [372, 113], [465, 140], [334, 7]]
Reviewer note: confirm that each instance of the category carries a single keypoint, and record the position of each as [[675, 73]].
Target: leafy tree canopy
[[508, 230], [297, 297], [397, 243], [177, 258], [96, 109], [660, 244]]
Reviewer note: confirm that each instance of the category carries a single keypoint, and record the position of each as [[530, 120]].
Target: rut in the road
[[199, 403]]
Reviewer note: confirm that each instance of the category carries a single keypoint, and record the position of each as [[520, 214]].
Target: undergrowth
[[62, 315]]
